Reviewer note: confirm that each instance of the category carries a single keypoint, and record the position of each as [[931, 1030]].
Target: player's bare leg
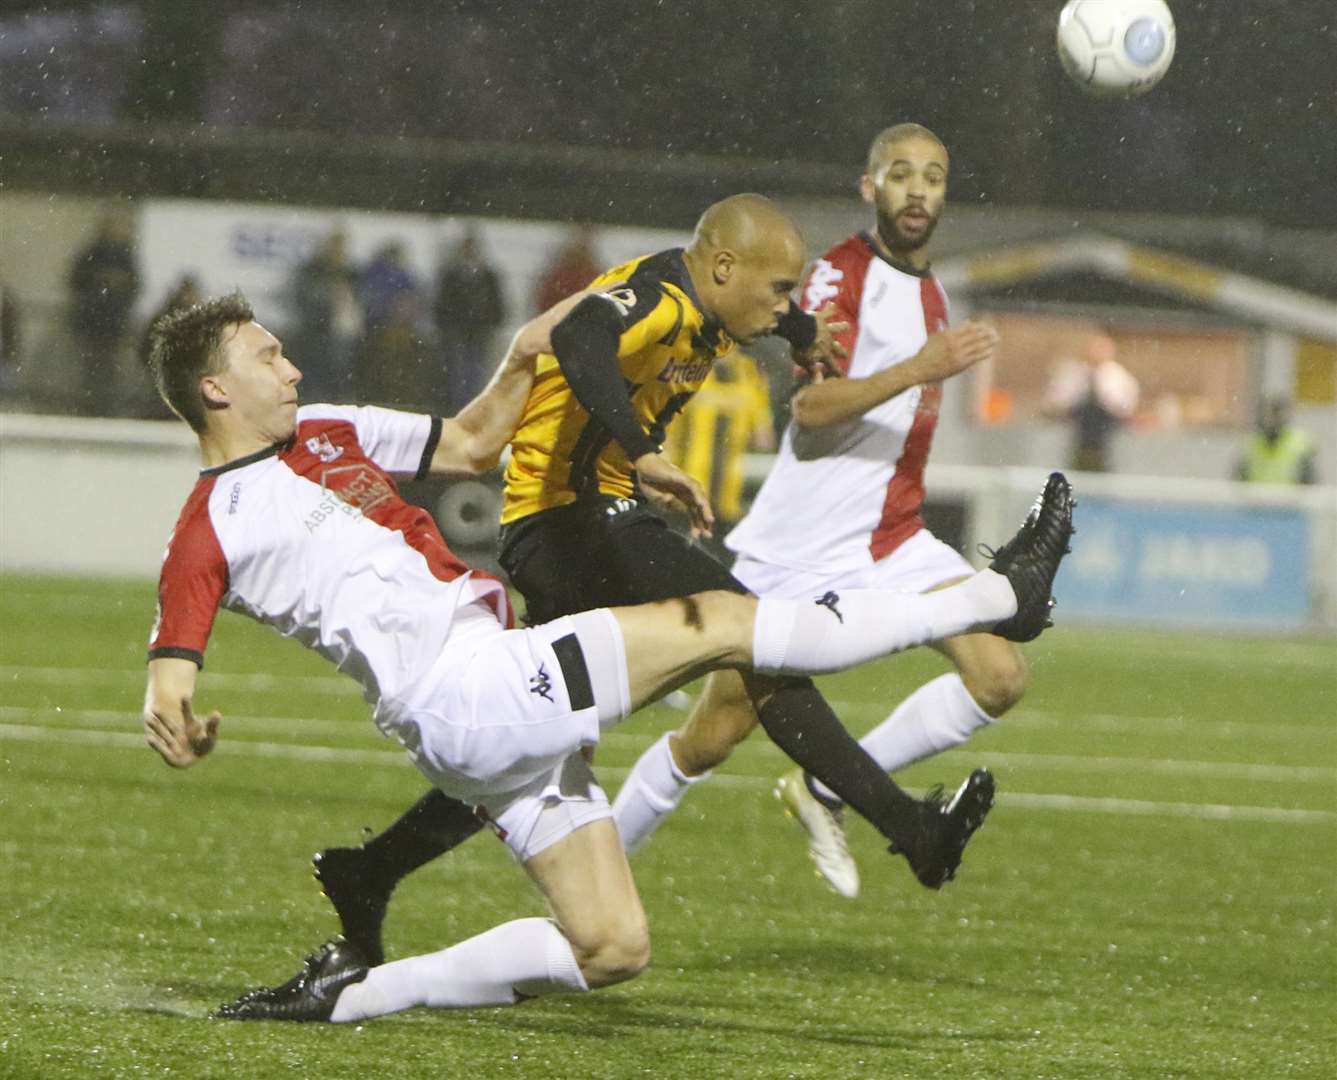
[[597, 936], [593, 899], [721, 718]]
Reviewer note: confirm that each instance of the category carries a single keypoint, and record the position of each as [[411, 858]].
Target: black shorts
[[604, 552]]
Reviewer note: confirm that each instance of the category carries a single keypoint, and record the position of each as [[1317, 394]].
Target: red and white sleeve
[[192, 584], [401, 443]]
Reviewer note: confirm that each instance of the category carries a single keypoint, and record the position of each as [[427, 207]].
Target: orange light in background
[[995, 406]]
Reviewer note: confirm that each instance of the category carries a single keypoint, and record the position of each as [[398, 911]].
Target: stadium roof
[[1148, 269]]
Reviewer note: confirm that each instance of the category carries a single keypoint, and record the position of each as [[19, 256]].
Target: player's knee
[[723, 621], [699, 748], [1001, 683], [621, 951]]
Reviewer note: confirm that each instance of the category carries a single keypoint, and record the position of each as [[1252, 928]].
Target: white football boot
[[826, 833]]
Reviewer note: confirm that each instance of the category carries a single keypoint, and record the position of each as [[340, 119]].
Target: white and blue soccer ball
[[1116, 48]]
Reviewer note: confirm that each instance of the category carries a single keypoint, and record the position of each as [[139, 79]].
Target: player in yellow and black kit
[[581, 528], [576, 532]]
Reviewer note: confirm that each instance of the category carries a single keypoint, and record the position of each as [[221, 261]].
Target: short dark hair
[[184, 347]]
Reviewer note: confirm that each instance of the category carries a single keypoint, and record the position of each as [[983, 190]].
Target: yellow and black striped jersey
[[667, 347]]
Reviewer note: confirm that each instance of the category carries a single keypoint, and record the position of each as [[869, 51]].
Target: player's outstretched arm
[[170, 724], [472, 441], [945, 354]]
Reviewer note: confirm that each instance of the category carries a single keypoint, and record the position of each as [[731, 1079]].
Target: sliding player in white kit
[[840, 507], [296, 522]]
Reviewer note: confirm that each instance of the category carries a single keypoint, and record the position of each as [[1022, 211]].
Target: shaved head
[[750, 225], [745, 259], [879, 151]]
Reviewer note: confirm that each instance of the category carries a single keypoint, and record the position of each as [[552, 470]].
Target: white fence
[[100, 497]]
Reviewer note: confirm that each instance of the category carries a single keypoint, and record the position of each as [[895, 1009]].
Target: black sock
[[801, 723], [430, 827]]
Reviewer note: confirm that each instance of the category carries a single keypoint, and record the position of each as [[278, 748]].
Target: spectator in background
[[329, 321], [1098, 395], [468, 309], [104, 283], [394, 362], [1277, 452], [572, 268], [185, 293], [11, 340], [386, 283]]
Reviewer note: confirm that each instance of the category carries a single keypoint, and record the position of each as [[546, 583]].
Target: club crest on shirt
[[321, 446], [623, 299], [823, 285]]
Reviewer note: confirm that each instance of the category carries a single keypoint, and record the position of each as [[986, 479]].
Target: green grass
[[1107, 923]]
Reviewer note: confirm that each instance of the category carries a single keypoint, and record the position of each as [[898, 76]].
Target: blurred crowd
[[375, 331], [380, 331]]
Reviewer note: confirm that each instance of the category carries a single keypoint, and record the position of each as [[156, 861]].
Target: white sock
[[841, 629], [525, 957], [939, 715], [651, 792]]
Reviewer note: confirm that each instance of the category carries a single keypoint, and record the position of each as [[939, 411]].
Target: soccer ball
[[1116, 48]]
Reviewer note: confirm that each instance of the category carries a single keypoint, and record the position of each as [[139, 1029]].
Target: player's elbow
[[808, 410], [531, 340], [464, 452], [480, 457]]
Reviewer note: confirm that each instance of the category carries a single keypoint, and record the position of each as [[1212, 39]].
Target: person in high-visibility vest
[[1277, 453]]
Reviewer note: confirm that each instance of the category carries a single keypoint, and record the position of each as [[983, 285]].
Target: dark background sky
[[1244, 124]]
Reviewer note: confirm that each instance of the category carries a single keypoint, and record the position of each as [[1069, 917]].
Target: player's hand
[[669, 488], [181, 740], [950, 352], [821, 359]]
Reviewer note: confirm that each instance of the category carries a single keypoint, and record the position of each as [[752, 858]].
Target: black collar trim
[[674, 271], [904, 268], [249, 459]]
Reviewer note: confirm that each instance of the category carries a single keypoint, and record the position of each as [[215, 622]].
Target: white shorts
[[922, 563], [550, 808], [500, 712]]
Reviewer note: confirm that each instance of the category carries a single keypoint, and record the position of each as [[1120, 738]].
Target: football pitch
[[1152, 897]]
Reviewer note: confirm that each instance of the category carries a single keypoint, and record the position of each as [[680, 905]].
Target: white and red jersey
[[312, 537], [844, 496]]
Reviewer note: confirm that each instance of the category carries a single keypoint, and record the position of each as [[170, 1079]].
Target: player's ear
[[213, 393], [723, 266], [866, 189]]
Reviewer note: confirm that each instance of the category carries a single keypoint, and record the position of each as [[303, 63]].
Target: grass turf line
[[134, 898]]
